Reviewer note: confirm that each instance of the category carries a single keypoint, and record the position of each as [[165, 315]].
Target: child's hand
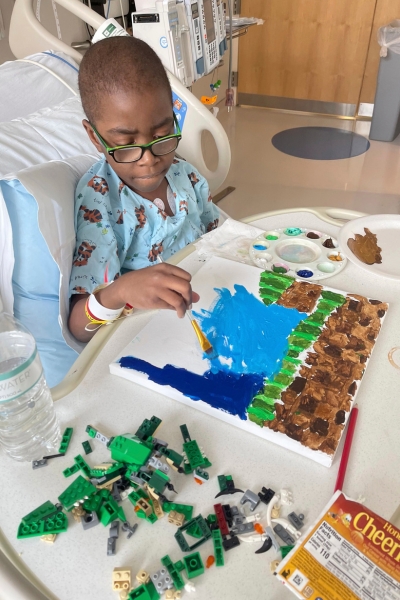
[[161, 286]]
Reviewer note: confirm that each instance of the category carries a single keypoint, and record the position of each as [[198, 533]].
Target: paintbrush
[[205, 344]]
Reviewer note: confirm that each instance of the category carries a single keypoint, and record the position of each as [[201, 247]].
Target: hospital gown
[[118, 231]]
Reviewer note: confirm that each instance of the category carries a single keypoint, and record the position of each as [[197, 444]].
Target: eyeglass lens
[[159, 149]]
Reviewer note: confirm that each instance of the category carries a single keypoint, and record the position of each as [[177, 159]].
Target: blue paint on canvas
[[227, 391], [250, 340], [247, 333]]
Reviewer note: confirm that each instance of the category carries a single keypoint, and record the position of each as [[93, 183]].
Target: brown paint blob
[[298, 384], [313, 236], [365, 247], [340, 417], [329, 243]]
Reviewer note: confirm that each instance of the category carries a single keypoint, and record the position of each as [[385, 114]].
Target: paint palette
[[298, 252]]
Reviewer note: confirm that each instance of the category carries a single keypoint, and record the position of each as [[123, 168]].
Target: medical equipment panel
[[221, 28], [209, 31], [193, 18]]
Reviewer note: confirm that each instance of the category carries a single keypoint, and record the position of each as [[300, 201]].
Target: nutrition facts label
[[350, 566]]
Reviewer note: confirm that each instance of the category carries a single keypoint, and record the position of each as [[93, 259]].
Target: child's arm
[[209, 213], [161, 286]]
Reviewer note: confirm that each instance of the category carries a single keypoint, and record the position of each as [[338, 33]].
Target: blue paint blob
[[250, 336], [259, 247], [305, 273], [226, 391]]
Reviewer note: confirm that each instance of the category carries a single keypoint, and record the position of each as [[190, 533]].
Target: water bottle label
[[20, 380]]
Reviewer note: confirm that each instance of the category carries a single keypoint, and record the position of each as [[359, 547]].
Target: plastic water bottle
[[28, 423]]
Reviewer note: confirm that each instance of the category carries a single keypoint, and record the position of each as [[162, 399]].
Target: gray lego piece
[[296, 520], [271, 535], [102, 438], [162, 580], [89, 520], [243, 528], [284, 535], [37, 464], [129, 528], [116, 494], [235, 511], [238, 520], [251, 498], [114, 530], [111, 543]]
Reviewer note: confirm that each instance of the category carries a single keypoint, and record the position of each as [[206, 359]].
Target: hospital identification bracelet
[[98, 314]]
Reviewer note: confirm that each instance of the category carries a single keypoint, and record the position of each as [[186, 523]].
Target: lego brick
[[251, 498], [223, 525], [285, 550], [129, 449], [284, 535], [57, 523], [82, 464], [37, 464], [172, 594], [228, 514], [96, 501], [180, 538], [179, 565], [158, 481], [243, 528], [218, 548], [296, 520], [78, 512], [87, 447], [144, 506], [111, 546], [186, 509], [146, 591], [65, 440], [89, 520], [162, 580], [210, 561], [266, 495], [267, 545], [157, 508], [76, 491], [143, 577], [176, 518], [185, 433], [193, 454], [271, 535], [174, 572], [121, 579], [230, 543], [129, 528], [49, 538], [114, 529], [148, 427], [193, 565], [41, 512], [110, 511], [96, 435], [71, 470]]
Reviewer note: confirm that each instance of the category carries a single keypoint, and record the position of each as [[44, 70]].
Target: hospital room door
[[309, 55]]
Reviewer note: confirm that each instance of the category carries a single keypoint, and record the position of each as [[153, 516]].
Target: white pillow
[[50, 134], [27, 88], [52, 187]]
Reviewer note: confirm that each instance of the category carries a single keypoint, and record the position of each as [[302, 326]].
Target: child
[[138, 202]]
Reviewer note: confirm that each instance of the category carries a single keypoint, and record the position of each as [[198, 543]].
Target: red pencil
[[347, 448]]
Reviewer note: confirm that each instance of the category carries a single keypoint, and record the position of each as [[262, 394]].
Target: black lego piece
[[265, 547], [266, 495], [228, 514], [230, 543]]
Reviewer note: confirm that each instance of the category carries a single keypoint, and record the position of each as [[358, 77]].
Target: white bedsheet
[[27, 88]]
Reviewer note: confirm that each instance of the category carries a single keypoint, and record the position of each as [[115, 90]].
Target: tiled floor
[[266, 179]]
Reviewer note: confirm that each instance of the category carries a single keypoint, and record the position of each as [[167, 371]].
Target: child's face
[[128, 118]]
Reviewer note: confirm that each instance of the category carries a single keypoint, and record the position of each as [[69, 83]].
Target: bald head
[[119, 65]]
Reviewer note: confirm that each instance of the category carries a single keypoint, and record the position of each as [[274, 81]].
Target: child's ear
[[92, 136]]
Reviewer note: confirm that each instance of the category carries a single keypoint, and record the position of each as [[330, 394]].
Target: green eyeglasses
[[134, 152]]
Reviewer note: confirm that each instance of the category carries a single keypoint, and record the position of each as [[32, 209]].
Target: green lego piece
[[222, 482], [91, 431], [180, 538], [130, 449], [110, 511], [57, 523], [285, 550], [186, 509], [87, 447], [82, 464], [71, 470], [174, 572], [146, 591], [201, 474], [193, 565], [185, 433], [194, 531], [179, 565], [218, 547], [172, 455], [158, 481], [66, 438], [211, 519], [76, 491], [94, 503], [137, 495], [148, 428], [41, 512], [194, 457]]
